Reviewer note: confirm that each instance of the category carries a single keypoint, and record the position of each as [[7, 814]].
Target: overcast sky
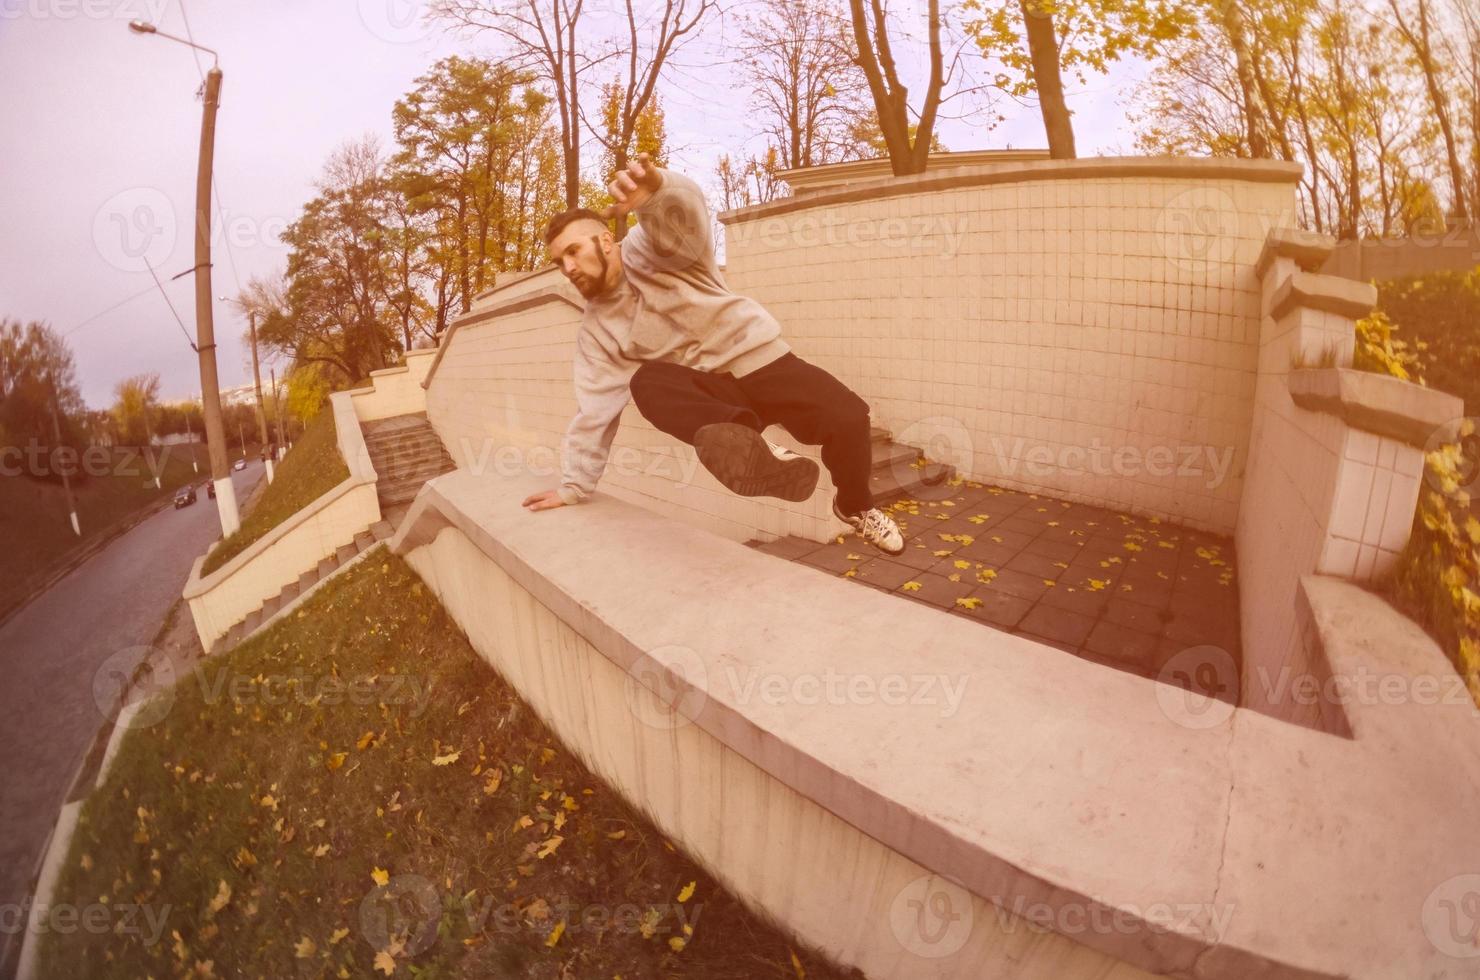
[[100, 130]]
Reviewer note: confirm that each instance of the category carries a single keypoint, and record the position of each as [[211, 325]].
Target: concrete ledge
[[1329, 294], [1378, 403], [1309, 250], [46, 885], [1088, 168], [559, 291], [1057, 782]]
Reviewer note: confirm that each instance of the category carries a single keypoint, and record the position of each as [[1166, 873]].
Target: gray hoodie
[[673, 305]]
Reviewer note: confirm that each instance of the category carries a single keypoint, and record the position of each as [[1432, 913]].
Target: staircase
[[406, 453], [897, 471], [306, 583]]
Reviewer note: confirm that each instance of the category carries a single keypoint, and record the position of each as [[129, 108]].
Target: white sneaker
[[875, 527], [753, 466]]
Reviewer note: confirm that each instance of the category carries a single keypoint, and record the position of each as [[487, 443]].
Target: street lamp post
[[257, 381], [277, 414], [205, 333]]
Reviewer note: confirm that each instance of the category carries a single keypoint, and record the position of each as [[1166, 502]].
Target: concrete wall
[[395, 390], [1389, 258], [1063, 312], [1087, 328], [225, 597], [921, 836], [1334, 475]]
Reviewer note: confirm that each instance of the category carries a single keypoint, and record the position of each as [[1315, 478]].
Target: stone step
[[423, 469], [325, 569], [889, 487], [344, 554], [363, 540], [307, 580], [421, 452], [400, 442], [401, 494], [269, 608], [253, 620], [382, 530], [887, 454], [420, 434], [877, 434]]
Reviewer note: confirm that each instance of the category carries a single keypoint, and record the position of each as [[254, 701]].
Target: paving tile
[[1048, 641], [998, 609], [937, 590], [989, 552], [884, 573], [1085, 601], [917, 555], [1030, 562], [1062, 549], [1124, 645], [1135, 616], [789, 547], [1020, 584], [832, 558], [1020, 525], [1057, 624]]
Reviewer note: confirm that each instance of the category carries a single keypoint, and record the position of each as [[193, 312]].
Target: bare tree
[[806, 87], [875, 56], [647, 46]]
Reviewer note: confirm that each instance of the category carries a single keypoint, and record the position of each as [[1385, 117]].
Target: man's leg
[[711, 412], [680, 400], [818, 409]]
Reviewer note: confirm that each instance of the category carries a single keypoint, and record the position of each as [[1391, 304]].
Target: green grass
[[311, 469], [251, 824], [33, 513]]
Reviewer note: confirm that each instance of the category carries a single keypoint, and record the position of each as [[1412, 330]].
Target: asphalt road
[[102, 614]]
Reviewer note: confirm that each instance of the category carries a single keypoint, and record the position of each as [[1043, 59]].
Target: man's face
[[584, 256]]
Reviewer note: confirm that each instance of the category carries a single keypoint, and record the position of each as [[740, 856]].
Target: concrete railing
[[229, 594], [396, 390], [922, 797], [1335, 464]]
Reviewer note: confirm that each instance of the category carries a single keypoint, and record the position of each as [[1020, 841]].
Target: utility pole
[[257, 382], [277, 414], [205, 332], [56, 436], [190, 436]]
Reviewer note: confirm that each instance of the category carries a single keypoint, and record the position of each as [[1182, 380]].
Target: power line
[[172, 305], [110, 309]]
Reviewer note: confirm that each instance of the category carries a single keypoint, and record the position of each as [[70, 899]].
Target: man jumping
[[703, 364]]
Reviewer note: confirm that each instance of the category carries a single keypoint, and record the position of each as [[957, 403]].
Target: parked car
[[241, 464], [211, 488], [184, 497]]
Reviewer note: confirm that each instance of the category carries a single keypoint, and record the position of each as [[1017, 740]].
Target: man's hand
[[633, 186], [544, 501]]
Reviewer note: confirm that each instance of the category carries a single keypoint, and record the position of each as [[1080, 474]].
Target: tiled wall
[[1058, 321], [503, 396], [1095, 338]]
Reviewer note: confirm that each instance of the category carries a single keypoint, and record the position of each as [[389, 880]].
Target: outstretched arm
[[673, 229]]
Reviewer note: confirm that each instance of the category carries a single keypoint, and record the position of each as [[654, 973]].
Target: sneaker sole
[[739, 458]]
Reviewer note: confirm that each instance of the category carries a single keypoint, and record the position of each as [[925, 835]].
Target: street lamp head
[[141, 27]]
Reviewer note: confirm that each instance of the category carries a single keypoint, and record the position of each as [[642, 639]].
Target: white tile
[[1366, 561], [1338, 558], [1349, 509], [1397, 521], [1361, 446], [1376, 506]]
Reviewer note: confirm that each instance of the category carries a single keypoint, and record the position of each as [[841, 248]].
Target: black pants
[[802, 398]]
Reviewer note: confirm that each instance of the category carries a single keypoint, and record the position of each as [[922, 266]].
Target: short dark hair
[[564, 218]]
